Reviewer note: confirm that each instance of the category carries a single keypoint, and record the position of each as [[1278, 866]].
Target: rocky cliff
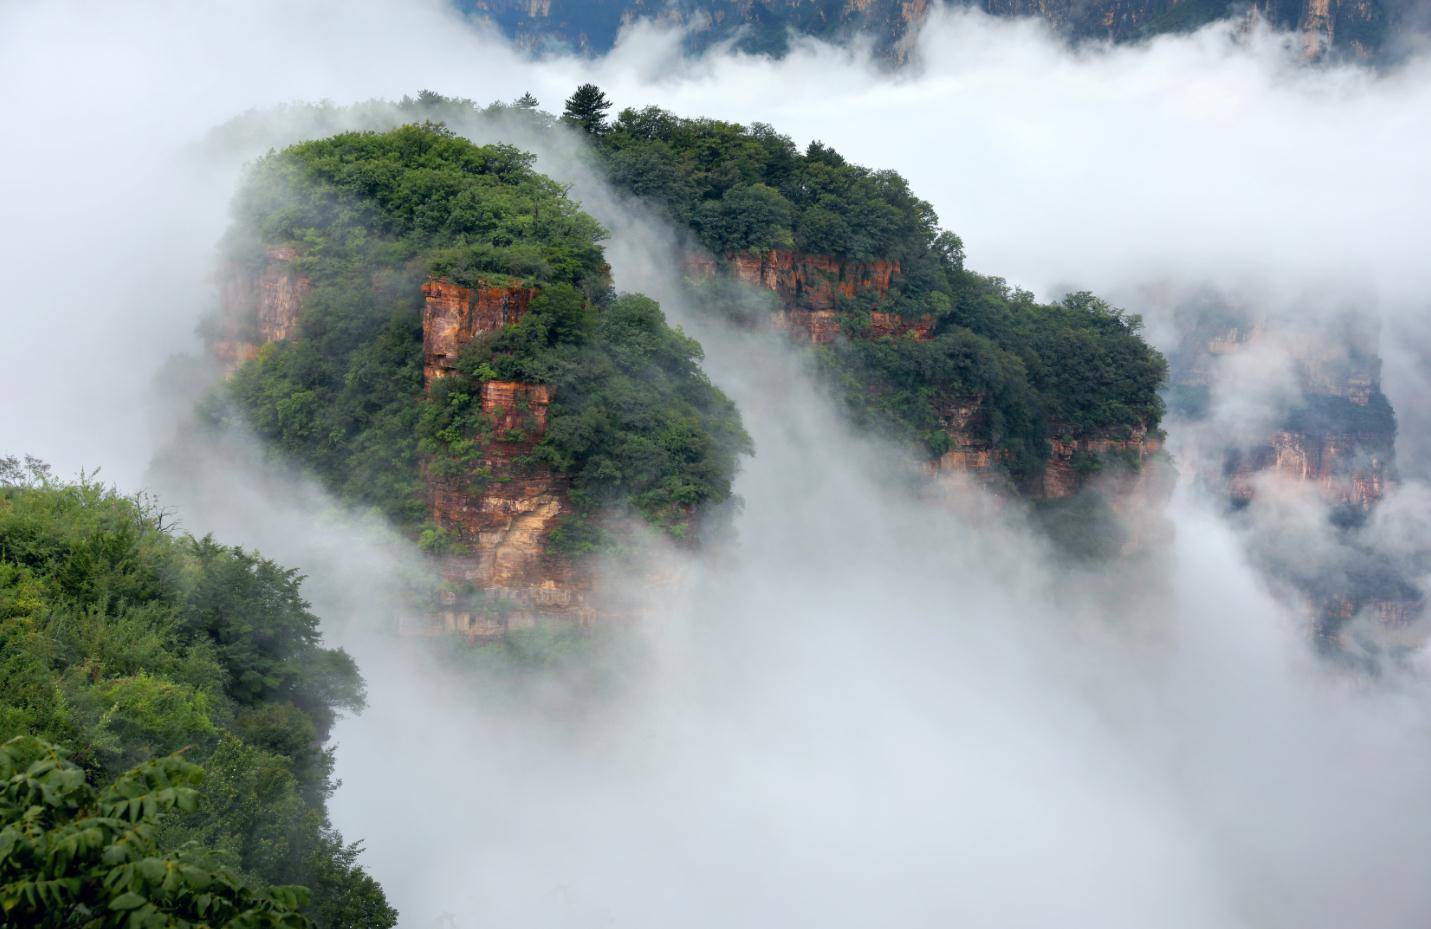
[[454, 315], [1339, 432], [258, 306], [1356, 27], [1335, 443], [497, 517], [502, 573], [813, 292], [1348, 469], [822, 298]]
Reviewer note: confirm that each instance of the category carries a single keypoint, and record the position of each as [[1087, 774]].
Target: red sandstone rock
[[503, 524], [817, 327], [812, 282], [1347, 470], [892, 324], [454, 315], [257, 310]]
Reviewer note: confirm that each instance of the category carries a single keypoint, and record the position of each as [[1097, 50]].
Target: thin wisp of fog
[[870, 701]]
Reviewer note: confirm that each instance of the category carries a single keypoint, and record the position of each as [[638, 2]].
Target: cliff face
[[256, 309], [454, 315], [813, 282], [1338, 440], [499, 573], [1073, 464], [970, 457], [811, 289], [1357, 27], [1347, 469], [502, 524]]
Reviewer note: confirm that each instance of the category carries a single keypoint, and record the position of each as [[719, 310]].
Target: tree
[[526, 101], [587, 108], [71, 855]]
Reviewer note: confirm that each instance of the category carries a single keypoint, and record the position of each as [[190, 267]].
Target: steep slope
[[429, 326], [1337, 433], [1323, 430], [1356, 27], [1041, 399], [1031, 400]]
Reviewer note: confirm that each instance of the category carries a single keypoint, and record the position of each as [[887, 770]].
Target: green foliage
[[748, 217], [72, 855], [358, 202], [126, 643], [1071, 368], [586, 109], [742, 188], [634, 421]]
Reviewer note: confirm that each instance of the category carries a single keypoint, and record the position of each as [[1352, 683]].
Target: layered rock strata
[[499, 572], [453, 315], [1337, 444], [1355, 27], [258, 308], [1339, 437], [503, 574]]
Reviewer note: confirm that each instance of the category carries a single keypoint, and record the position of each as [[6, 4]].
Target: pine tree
[[526, 101], [587, 108]]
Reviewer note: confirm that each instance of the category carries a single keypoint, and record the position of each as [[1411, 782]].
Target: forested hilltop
[[429, 326], [979, 374], [855, 248], [124, 642], [359, 386]]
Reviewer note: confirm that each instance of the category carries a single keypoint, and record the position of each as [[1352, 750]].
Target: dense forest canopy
[[634, 421], [124, 642], [1072, 368]]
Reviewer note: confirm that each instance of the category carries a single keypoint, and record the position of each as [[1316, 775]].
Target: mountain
[[1309, 423], [1041, 401], [429, 326], [1055, 406], [1359, 28]]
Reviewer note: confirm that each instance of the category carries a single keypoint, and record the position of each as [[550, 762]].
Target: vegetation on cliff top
[[125, 642], [1070, 369], [633, 421]]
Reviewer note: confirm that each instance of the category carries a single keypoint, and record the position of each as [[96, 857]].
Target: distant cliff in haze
[[1359, 28]]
